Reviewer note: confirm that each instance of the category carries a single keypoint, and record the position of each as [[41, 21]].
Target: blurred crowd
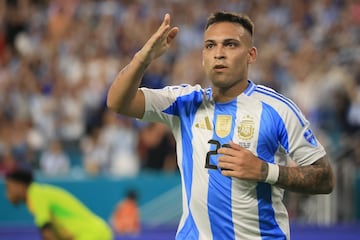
[[58, 57]]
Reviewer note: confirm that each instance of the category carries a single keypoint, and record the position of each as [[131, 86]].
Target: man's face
[[14, 191], [227, 52]]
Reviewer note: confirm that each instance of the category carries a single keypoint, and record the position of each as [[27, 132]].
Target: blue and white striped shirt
[[259, 119]]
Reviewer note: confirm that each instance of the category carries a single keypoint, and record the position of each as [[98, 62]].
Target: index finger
[[225, 148], [166, 20], [235, 146]]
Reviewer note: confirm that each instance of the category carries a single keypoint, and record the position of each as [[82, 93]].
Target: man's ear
[[252, 55]]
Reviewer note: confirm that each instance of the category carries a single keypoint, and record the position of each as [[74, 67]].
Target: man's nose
[[219, 54]]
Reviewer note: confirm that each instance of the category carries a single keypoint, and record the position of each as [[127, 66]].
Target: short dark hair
[[20, 175], [131, 194], [239, 18]]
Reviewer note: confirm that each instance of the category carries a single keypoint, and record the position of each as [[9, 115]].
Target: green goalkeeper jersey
[[70, 218]]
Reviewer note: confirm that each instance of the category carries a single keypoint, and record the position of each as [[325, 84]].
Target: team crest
[[223, 125], [246, 128]]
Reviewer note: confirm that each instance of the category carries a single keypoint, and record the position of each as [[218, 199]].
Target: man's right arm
[[124, 95]]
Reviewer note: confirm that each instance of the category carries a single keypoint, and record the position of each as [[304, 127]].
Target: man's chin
[[219, 83]]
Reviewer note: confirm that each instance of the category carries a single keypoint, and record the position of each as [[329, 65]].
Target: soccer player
[[57, 213], [233, 138]]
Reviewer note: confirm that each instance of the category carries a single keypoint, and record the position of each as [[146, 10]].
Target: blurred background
[[58, 58]]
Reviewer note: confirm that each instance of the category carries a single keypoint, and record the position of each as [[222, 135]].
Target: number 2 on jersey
[[213, 152]]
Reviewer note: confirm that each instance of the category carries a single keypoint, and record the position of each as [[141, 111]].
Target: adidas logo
[[204, 124]]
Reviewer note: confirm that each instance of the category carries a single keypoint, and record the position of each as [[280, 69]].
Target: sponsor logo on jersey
[[204, 124]]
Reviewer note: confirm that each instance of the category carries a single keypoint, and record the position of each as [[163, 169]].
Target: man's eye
[[209, 46], [231, 45]]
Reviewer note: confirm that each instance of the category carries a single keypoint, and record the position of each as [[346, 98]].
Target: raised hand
[[159, 42]]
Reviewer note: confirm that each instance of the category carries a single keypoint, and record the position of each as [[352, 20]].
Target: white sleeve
[[159, 102], [304, 148], [298, 141]]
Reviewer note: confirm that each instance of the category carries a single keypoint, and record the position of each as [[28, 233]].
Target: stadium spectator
[[54, 161], [95, 153], [7, 162], [157, 148], [125, 219], [120, 136]]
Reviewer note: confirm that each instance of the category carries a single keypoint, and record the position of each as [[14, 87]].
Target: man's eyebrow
[[231, 40], [226, 40]]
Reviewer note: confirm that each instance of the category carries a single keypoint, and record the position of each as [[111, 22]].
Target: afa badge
[[223, 125], [246, 128]]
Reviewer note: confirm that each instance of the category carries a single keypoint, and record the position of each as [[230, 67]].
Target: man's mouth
[[219, 67]]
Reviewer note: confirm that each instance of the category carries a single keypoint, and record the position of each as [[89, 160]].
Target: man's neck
[[224, 95]]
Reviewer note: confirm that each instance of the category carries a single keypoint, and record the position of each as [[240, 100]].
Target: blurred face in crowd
[[15, 191], [227, 52]]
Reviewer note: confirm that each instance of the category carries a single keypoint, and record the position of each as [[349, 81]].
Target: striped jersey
[[269, 125]]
